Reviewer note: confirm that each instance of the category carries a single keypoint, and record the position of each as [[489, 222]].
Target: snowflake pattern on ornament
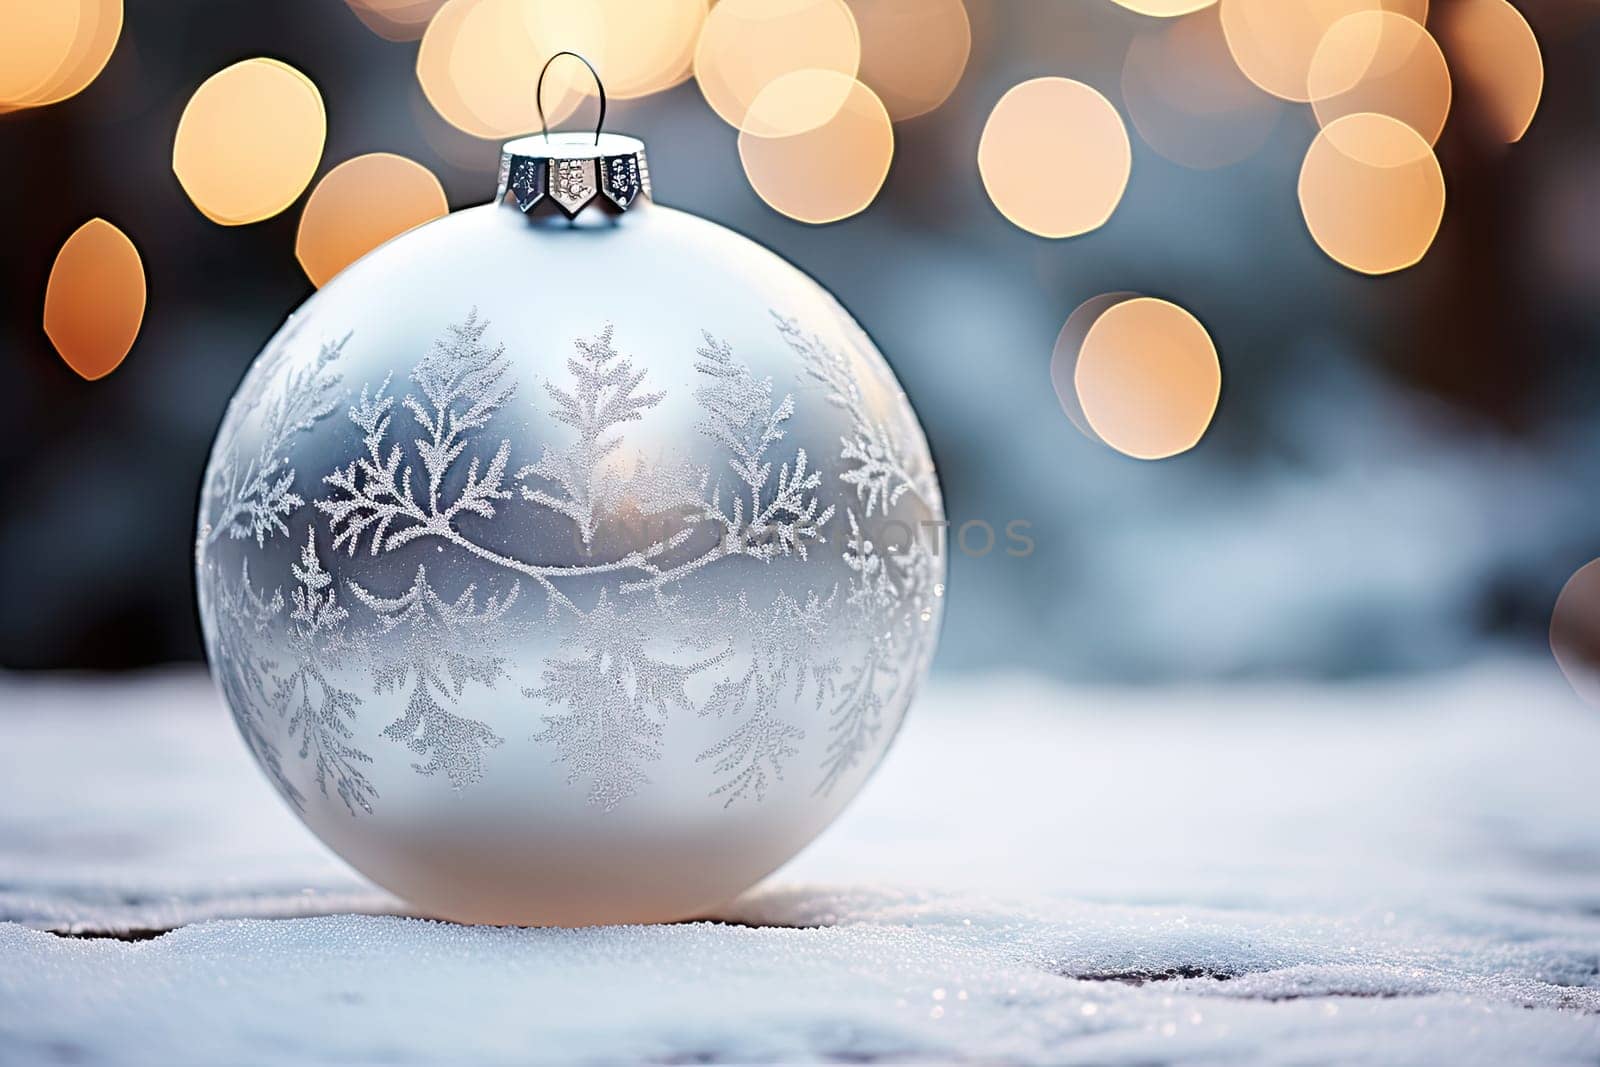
[[891, 593], [604, 395], [244, 619], [445, 644], [785, 646], [320, 712], [254, 495], [430, 471]]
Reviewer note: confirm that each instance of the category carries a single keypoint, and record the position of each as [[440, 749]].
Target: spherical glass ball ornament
[[569, 559]]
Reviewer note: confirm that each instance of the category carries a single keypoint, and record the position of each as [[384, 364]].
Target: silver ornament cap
[[573, 170]]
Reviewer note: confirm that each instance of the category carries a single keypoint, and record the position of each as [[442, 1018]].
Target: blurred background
[[1398, 474]]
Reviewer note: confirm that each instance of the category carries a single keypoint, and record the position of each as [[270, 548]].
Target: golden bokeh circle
[[649, 46], [492, 64], [1165, 9], [557, 25], [1148, 378], [1372, 193], [1055, 157], [479, 63], [798, 102], [359, 205], [825, 172], [94, 301], [1493, 47], [249, 141], [1385, 63], [36, 40], [99, 27], [1186, 98], [1273, 41], [745, 45], [913, 52], [433, 63]]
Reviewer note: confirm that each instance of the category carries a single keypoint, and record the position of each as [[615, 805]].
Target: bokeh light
[[99, 26], [36, 39], [249, 141], [1372, 193], [1068, 346], [493, 64], [1165, 8], [556, 25], [1494, 49], [649, 46], [360, 204], [1055, 157], [1575, 632], [479, 62], [828, 171], [1147, 378], [797, 102], [1186, 98], [1273, 41], [913, 52], [1381, 62], [745, 45], [396, 20], [94, 301], [433, 66]]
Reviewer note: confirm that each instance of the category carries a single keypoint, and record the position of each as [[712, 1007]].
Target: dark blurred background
[[1399, 474]]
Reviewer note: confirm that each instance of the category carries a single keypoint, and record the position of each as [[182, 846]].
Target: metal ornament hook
[[538, 93]]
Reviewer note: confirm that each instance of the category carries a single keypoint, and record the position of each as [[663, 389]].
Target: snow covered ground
[[1404, 871]]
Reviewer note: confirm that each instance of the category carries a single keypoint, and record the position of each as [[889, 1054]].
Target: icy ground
[[1392, 872]]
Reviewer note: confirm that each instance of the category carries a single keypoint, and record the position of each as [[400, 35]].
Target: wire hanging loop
[[538, 93]]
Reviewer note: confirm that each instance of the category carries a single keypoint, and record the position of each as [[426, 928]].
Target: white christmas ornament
[[569, 559]]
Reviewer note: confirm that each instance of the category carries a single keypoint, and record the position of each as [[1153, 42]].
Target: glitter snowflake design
[[319, 711], [251, 495], [432, 470], [442, 649], [245, 617], [890, 597]]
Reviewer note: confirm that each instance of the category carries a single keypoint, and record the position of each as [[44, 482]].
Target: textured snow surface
[[1392, 872]]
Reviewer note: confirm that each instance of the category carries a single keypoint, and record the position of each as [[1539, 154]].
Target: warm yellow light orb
[[1385, 63], [746, 44], [1148, 378], [1372, 193], [913, 52], [249, 141], [649, 46], [359, 205], [479, 62], [1055, 157], [99, 27], [825, 171], [1274, 41], [94, 301], [1493, 48], [36, 39]]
